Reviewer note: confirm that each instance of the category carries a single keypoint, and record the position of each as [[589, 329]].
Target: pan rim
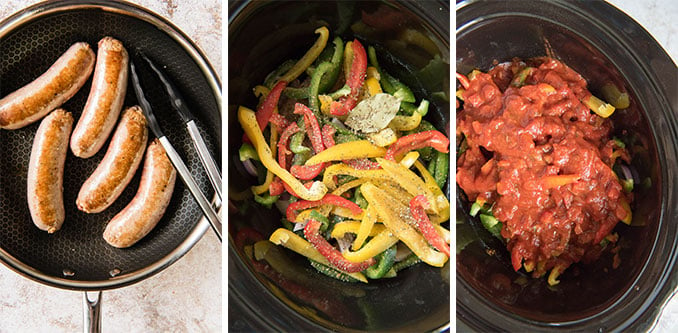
[[43, 9]]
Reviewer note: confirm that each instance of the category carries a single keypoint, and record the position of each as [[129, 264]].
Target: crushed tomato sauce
[[519, 138]]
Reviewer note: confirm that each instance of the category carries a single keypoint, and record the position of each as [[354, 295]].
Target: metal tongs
[[205, 157]]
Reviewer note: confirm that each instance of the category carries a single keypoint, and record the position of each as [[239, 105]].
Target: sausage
[[149, 204], [50, 90], [118, 166], [105, 100], [46, 171]]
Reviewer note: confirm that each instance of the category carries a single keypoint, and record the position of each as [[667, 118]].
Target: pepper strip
[[306, 172], [366, 227], [378, 244], [248, 121], [282, 144], [311, 123], [362, 164], [343, 169], [419, 140], [408, 180], [324, 210], [314, 86], [258, 190], [279, 121], [347, 151], [297, 244], [393, 218], [354, 81], [405, 123], [352, 227], [441, 200], [312, 233], [417, 206], [348, 213], [328, 199], [309, 57], [347, 186], [266, 108]]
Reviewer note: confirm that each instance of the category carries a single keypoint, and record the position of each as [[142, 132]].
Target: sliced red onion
[[249, 166], [345, 242], [339, 123], [282, 203], [299, 226], [626, 171]]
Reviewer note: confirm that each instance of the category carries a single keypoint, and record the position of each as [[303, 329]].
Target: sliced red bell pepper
[[280, 121], [328, 135], [354, 82], [276, 187], [312, 233], [417, 206], [312, 127], [419, 140], [291, 191], [307, 172], [266, 108], [328, 199], [282, 144]]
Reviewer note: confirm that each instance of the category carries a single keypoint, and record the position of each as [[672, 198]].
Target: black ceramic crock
[[603, 45], [290, 295]]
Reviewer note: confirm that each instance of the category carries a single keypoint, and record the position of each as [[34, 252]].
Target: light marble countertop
[[658, 17], [186, 297]]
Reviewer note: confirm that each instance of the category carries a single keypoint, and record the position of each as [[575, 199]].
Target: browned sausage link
[[46, 171], [149, 204], [50, 90], [105, 100], [118, 166]]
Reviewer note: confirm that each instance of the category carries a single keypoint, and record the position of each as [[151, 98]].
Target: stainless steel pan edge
[[197, 55]]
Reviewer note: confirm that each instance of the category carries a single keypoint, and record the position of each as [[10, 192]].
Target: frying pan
[[77, 257]]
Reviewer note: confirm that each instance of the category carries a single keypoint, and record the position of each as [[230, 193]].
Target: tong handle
[[212, 217], [205, 157]]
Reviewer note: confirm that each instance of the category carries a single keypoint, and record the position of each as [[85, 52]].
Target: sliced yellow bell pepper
[[366, 227], [352, 227], [345, 212], [406, 123], [409, 159], [269, 175], [599, 107], [248, 121], [372, 86], [384, 137], [309, 57], [393, 216], [347, 186], [325, 103], [441, 200], [343, 169], [324, 210], [408, 180], [299, 245], [444, 233], [396, 192], [376, 245], [347, 151]]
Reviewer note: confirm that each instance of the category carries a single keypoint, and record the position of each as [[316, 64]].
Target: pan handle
[[92, 313]]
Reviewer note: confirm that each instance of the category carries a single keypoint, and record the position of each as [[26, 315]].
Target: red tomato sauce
[[544, 161]]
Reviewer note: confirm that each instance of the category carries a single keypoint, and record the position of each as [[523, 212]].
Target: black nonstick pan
[[77, 257]]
